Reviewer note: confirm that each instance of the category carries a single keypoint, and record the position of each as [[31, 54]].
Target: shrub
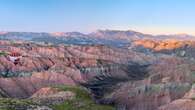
[[82, 101]]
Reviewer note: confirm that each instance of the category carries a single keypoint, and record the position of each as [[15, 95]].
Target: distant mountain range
[[148, 73], [105, 37]]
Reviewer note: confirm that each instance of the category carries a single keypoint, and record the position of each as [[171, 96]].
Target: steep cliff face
[[185, 103], [102, 79], [127, 79], [167, 80], [24, 87], [41, 66], [150, 97], [181, 48]]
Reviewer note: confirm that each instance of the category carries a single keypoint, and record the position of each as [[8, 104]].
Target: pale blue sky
[[149, 16]]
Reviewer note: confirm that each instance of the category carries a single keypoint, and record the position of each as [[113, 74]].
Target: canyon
[[123, 70]]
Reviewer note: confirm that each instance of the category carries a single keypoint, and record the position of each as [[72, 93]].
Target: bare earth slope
[[126, 78]]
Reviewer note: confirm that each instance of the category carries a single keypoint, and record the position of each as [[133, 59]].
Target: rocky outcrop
[[52, 96], [185, 103], [162, 44], [149, 97], [167, 80], [128, 79], [181, 48], [25, 86], [42, 66], [102, 79]]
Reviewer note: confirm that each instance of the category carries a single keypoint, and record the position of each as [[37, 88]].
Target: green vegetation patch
[[82, 101], [15, 104], [193, 75], [2, 53]]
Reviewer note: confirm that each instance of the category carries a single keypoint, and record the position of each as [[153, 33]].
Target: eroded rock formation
[[125, 78]]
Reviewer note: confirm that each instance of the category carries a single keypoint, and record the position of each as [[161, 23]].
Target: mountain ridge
[[117, 38]]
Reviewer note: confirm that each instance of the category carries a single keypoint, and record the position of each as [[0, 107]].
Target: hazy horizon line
[[106, 29]]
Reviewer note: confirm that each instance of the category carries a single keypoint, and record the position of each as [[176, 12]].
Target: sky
[[148, 16]]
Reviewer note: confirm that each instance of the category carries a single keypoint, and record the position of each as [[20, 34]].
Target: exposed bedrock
[[102, 79], [127, 79], [185, 103], [24, 87], [41, 66], [168, 80], [149, 97]]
